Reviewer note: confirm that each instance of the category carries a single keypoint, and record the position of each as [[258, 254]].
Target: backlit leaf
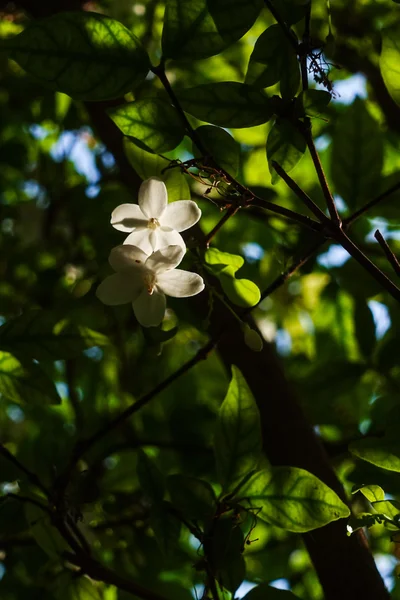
[[285, 145], [85, 55], [381, 452], [390, 61], [221, 146]]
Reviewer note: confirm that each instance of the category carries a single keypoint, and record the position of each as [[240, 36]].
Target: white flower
[[145, 280], [154, 224]]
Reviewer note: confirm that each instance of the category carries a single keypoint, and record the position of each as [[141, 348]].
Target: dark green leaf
[[293, 499], [285, 145], [166, 527], [195, 498], [313, 102], [266, 592], [85, 55], [195, 29], [382, 452], [292, 11], [150, 478], [25, 382], [225, 553], [68, 586], [357, 155], [237, 440], [274, 59], [45, 335], [365, 327], [227, 104], [221, 146], [152, 123], [45, 534]]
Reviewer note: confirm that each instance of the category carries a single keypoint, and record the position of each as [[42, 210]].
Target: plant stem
[[285, 28], [371, 204], [389, 254]]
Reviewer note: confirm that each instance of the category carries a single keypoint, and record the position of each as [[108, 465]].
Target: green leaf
[[313, 102], [85, 55], [237, 439], [227, 104], [75, 587], [166, 527], [291, 11], [147, 164], [362, 520], [373, 493], [45, 534], [222, 147], [45, 335], [152, 123], [357, 155], [274, 59], [195, 29], [390, 61], [25, 382], [150, 478], [293, 499], [242, 292], [364, 327], [381, 452], [386, 508], [285, 145], [219, 260], [225, 553], [266, 592], [195, 498]]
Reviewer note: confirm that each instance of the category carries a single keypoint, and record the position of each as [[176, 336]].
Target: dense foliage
[[250, 433]]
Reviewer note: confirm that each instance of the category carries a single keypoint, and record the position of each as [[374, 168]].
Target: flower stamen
[[153, 223]]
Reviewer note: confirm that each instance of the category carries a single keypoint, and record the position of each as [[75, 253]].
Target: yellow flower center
[[153, 223]]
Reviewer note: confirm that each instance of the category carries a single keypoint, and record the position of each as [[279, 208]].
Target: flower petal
[[153, 197], [165, 236], [165, 259], [126, 256], [149, 309], [180, 284], [127, 217], [119, 288], [181, 215], [141, 239]]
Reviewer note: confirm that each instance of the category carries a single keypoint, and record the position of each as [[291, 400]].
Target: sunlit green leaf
[[382, 452], [219, 260], [152, 123], [241, 292], [373, 493], [227, 104], [285, 145], [199, 28], [222, 147], [390, 61], [293, 499], [237, 439], [25, 382], [85, 55], [387, 508], [357, 155]]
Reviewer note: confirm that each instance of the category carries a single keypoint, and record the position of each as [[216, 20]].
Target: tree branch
[[389, 254], [33, 478]]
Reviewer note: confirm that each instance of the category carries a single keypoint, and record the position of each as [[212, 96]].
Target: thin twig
[[301, 194], [33, 478], [229, 213], [286, 212], [371, 203], [389, 254], [285, 28]]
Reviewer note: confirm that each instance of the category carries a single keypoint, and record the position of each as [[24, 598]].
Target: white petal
[[165, 259], [127, 217], [141, 239], [165, 236], [180, 284], [153, 197], [119, 288], [126, 256], [181, 215], [149, 309]]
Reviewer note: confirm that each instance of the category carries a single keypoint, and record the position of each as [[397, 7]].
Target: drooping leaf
[[390, 61], [194, 497], [221, 146], [357, 155], [166, 527], [293, 499], [25, 382], [237, 439], [152, 123], [382, 452], [85, 55], [225, 553], [150, 478], [197, 29], [274, 59], [386, 507], [46, 335], [285, 145], [147, 164], [313, 102], [373, 493], [45, 534], [227, 104], [223, 265], [264, 591]]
